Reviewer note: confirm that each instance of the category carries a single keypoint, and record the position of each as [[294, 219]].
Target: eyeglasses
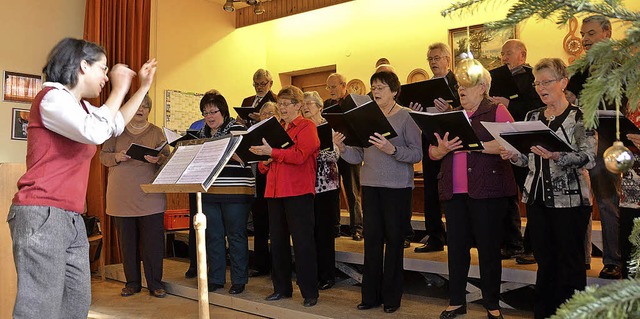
[[285, 103], [332, 87], [436, 58], [261, 84], [103, 67], [544, 84], [458, 86], [378, 88], [210, 113], [310, 103]]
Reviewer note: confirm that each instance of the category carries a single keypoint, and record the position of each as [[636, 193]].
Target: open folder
[[455, 122], [607, 127], [502, 83], [424, 92], [269, 129], [358, 117], [519, 137], [137, 151], [173, 138]]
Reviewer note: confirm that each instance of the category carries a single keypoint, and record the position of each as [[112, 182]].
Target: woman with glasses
[[291, 180], [228, 202], [139, 217], [557, 191], [474, 188], [327, 200], [262, 82], [387, 183]]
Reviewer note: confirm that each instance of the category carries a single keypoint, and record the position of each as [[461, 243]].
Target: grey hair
[[315, 97], [340, 77], [443, 47], [262, 73], [604, 22]]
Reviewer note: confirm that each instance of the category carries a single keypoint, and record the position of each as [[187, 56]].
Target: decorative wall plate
[[356, 86], [417, 75]]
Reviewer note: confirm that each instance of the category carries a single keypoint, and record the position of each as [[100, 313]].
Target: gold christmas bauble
[[469, 72], [617, 158]]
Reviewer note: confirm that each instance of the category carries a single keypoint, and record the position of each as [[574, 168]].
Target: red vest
[[57, 167]]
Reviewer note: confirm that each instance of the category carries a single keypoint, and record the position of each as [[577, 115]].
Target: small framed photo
[[485, 44], [19, 123], [20, 87]]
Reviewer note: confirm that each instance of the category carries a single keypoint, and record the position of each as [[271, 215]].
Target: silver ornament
[[617, 158]]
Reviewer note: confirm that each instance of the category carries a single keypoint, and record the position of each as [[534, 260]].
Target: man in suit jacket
[[439, 58], [514, 56], [349, 173], [605, 185], [262, 82]]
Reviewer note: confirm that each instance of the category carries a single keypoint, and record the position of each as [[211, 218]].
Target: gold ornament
[[617, 158], [469, 71]]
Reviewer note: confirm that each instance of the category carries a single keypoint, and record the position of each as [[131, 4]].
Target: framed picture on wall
[[20, 87], [485, 45], [19, 122]]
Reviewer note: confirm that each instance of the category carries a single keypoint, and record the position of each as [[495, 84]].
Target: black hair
[[63, 62], [388, 78], [214, 97]]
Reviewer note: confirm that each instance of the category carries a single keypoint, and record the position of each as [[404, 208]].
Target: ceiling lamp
[[258, 8]]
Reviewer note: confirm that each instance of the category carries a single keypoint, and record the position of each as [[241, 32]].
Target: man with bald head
[[514, 56], [605, 185], [349, 173]]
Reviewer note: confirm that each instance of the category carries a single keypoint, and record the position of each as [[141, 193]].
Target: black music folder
[[137, 151], [358, 117], [269, 129], [502, 83], [455, 122], [244, 111], [607, 128], [325, 134], [523, 141], [424, 92]]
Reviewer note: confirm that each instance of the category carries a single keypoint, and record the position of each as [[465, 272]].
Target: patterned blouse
[[327, 177]]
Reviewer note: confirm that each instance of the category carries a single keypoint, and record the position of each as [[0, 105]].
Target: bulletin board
[[181, 109]]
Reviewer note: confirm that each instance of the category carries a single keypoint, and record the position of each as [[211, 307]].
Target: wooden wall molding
[[275, 9]]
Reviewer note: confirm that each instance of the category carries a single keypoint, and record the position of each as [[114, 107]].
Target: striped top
[[236, 183]]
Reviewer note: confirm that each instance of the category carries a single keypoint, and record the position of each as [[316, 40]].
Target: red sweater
[[57, 167], [293, 170]]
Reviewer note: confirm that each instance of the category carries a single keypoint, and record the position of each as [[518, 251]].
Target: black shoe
[[191, 273], [429, 247], [390, 309], [326, 284], [364, 306], [490, 316], [357, 236], [525, 259], [236, 289], [129, 291], [406, 244], [276, 296], [611, 272], [453, 313], [310, 302], [214, 287], [257, 273], [508, 253]]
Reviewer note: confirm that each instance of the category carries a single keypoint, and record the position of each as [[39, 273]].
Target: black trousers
[[387, 212], [557, 237], [434, 227], [260, 215], [293, 217], [512, 223], [350, 175], [478, 220], [627, 215], [325, 206], [142, 238]]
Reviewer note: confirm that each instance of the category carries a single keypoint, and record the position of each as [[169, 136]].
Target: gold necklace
[[139, 127]]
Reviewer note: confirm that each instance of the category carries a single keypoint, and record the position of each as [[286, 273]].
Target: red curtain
[[122, 27]]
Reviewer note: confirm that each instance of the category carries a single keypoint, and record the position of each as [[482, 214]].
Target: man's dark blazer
[[528, 99], [269, 97]]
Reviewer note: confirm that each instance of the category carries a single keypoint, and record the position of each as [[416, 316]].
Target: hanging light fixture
[[228, 6]]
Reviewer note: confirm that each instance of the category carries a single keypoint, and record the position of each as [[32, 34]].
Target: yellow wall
[[198, 48], [29, 30]]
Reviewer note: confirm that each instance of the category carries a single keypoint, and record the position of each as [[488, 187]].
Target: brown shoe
[[128, 291], [158, 293]]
